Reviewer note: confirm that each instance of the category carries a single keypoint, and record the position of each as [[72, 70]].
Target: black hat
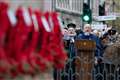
[[71, 25], [112, 31], [66, 28]]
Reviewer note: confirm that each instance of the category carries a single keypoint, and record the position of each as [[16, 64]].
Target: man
[[71, 32], [69, 36], [87, 34], [112, 36]]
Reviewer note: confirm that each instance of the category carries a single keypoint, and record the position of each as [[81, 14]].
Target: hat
[[66, 28], [71, 25], [112, 31]]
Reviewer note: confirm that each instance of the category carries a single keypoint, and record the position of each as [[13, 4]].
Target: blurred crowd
[[103, 38], [107, 46]]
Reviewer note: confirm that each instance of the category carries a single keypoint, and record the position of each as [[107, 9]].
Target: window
[[72, 6]]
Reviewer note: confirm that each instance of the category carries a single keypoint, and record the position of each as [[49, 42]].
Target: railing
[[82, 66]]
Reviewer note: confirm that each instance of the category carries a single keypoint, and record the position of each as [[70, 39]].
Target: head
[[87, 29], [65, 31], [79, 31], [71, 29], [112, 32]]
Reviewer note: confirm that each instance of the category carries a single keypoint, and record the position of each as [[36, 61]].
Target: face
[[71, 30], [87, 29]]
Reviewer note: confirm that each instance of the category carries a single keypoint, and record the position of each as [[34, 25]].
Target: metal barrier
[[80, 65]]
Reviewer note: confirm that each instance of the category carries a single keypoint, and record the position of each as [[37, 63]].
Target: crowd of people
[[103, 38]]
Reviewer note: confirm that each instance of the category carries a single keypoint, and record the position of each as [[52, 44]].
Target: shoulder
[[80, 36], [94, 37]]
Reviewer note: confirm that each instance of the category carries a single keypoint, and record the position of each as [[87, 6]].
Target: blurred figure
[[78, 31], [65, 34], [71, 34], [87, 34], [103, 32], [71, 31], [112, 36], [97, 33]]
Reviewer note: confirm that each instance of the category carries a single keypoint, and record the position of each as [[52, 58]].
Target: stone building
[[70, 10]]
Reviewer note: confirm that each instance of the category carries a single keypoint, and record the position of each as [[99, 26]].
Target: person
[[87, 34], [97, 33], [112, 36], [78, 31], [71, 31], [69, 36]]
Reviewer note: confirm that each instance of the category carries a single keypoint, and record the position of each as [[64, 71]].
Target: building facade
[[43, 5], [70, 10]]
